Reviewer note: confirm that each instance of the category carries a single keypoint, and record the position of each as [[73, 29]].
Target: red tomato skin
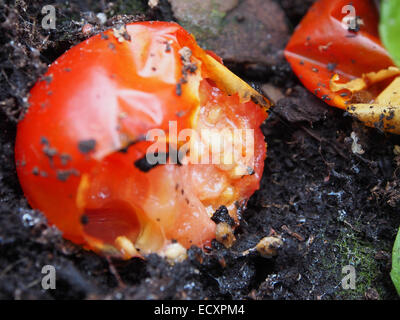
[[94, 99], [86, 106], [322, 41]]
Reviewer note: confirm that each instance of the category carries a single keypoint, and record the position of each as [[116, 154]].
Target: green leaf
[[390, 28], [395, 274]]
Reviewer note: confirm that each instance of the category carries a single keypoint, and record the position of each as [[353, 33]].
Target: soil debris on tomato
[[86, 146], [329, 207]]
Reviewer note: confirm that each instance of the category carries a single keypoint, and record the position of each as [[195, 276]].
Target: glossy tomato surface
[[81, 146], [336, 37]]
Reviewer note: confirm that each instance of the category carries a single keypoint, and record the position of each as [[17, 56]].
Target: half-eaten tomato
[[81, 148]]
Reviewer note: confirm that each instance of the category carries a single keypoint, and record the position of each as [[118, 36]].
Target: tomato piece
[[324, 45], [81, 146]]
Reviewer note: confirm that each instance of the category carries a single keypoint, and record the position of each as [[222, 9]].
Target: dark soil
[[332, 208]]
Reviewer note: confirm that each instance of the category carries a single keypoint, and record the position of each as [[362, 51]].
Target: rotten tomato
[[82, 148], [337, 54]]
